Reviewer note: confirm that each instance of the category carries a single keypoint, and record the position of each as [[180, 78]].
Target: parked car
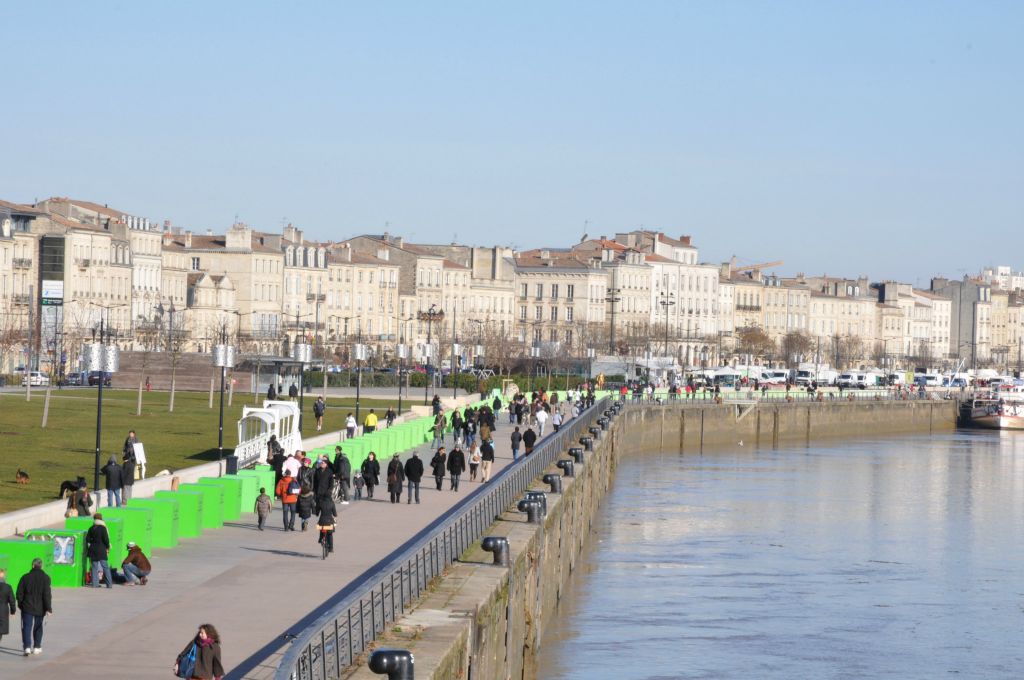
[[36, 379], [94, 378], [847, 380]]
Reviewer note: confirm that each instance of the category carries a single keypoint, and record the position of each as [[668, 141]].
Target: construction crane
[[755, 267]]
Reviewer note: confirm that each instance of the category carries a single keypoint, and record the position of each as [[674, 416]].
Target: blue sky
[[849, 138]]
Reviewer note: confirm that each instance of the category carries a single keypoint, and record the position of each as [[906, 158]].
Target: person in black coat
[[371, 473], [529, 439], [97, 549], [323, 480], [437, 466], [276, 459], [396, 479], [326, 522], [456, 466], [35, 602], [114, 476], [413, 474], [128, 464], [343, 473], [6, 603]]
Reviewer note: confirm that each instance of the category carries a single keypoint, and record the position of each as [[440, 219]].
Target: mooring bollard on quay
[[532, 510], [397, 664], [499, 546], [567, 467]]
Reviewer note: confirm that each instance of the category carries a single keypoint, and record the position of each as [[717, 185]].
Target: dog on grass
[[21, 477]]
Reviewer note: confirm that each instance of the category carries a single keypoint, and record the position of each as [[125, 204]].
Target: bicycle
[[325, 535]]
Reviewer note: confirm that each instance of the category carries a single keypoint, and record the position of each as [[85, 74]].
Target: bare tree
[[754, 341], [796, 345]]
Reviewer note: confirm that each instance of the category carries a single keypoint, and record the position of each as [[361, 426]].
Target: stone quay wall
[[485, 622]]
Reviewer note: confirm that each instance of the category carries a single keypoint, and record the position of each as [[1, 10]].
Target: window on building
[[554, 291], [540, 291], [195, 264], [554, 313], [523, 292], [570, 292], [568, 314], [568, 337], [522, 313], [538, 313]]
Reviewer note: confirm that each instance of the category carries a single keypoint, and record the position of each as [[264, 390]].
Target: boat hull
[[997, 422]]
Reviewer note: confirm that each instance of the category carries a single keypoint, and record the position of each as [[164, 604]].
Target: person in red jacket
[[288, 491]]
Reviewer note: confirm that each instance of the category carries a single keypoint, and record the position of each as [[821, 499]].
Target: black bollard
[[567, 468], [555, 480], [607, 413], [532, 510], [594, 431], [541, 498], [588, 443], [602, 423], [577, 454], [499, 546], [396, 663]]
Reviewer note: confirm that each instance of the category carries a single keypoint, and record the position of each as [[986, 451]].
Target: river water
[[888, 558]]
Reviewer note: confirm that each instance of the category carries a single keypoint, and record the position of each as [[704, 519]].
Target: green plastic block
[[138, 528], [190, 511], [213, 503], [232, 495], [68, 555], [264, 479], [249, 490], [165, 520], [20, 554]]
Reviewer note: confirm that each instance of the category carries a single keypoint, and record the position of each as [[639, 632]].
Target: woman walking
[[396, 479], [474, 460], [200, 660], [437, 466], [371, 474]]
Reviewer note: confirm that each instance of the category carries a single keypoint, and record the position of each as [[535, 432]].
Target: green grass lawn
[[66, 447]]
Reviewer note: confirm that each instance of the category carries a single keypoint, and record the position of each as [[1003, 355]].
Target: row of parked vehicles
[[40, 379]]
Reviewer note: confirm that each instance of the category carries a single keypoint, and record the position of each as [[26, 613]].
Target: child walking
[[264, 504]]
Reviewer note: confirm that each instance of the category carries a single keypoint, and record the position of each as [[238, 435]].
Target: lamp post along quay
[[303, 353], [223, 358], [105, 359], [361, 353], [403, 353], [430, 316]]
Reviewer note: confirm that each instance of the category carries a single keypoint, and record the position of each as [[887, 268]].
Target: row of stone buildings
[[68, 265]]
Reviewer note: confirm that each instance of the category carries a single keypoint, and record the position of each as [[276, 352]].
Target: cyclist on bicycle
[[326, 522]]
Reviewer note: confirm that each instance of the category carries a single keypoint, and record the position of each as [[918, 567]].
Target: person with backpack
[[201, 657], [288, 490]]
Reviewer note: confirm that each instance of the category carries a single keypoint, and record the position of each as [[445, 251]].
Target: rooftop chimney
[[188, 239], [399, 241]]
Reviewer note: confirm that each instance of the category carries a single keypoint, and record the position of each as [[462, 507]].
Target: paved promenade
[[255, 587]]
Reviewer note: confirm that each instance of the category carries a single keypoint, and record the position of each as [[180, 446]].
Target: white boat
[[999, 412]]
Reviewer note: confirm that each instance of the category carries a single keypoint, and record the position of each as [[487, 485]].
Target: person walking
[[556, 421], [203, 653], [113, 476], [529, 439], [82, 501], [413, 474], [474, 460], [370, 422], [7, 602], [437, 466], [517, 440], [439, 426], [304, 505], [486, 460], [97, 547], [323, 480], [288, 490], [135, 566], [263, 507], [319, 407], [350, 426], [129, 463], [371, 474], [389, 416], [35, 602], [357, 484], [542, 419], [343, 473], [435, 405], [271, 393], [396, 478], [293, 392], [456, 466]]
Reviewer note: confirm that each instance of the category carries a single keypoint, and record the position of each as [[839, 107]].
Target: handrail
[[378, 597]]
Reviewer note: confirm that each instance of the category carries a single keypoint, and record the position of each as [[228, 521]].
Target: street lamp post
[[359, 349], [105, 359], [223, 358], [430, 316], [302, 353], [666, 301], [612, 296], [402, 350]]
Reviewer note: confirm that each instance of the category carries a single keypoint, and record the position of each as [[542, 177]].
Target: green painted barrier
[[264, 478], [68, 555], [20, 555], [165, 520], [115, 530], [213, 504], [231, 500], [249, 489], [190, 511], [138, 528]]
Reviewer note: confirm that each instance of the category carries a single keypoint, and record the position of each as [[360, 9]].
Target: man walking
[[486, 460], [517, 440], [288, 491], [128, 465], [542, 419], [343, 472], [370, 422], [97, 545], [114, 475], [456, 466], [413, 475], [34, 600]]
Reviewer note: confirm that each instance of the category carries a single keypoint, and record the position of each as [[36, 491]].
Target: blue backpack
[[187, 661]]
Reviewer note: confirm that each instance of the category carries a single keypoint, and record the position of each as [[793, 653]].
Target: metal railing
[[378, 598], [799, 396]]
